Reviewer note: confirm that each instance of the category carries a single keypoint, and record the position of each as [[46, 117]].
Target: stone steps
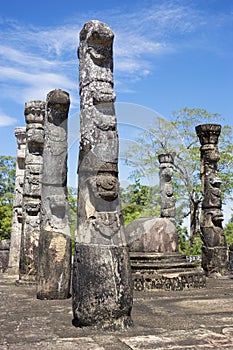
[[168, 271], [158, 256], [144, 265], [159, 261]]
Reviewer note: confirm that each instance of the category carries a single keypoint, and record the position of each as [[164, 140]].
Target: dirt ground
[[191, 319]]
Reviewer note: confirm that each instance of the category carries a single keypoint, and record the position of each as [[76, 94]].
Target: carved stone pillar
[[13, 266], [168, 206], [34, 116], [214, 249], [55, 242], [102, 285]]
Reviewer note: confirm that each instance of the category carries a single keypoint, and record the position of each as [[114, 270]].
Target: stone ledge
[[151, 281], [22, 282]]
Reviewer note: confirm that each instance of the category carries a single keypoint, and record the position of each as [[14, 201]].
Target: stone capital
[[34, 112], [208, 133]]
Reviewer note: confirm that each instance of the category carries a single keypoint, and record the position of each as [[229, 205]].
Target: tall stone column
[[214, 249], [13, 266], [168, 206], [34, 116], [102, 285], [54, 268]]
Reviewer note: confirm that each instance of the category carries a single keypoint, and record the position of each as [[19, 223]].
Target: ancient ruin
[[153, 243], [214, 249], [168, 205], [102, 285], [34, 116], [152, 234], [54, 266], [16, 229]]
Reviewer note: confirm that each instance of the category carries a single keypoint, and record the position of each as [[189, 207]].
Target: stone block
[[152, 235]]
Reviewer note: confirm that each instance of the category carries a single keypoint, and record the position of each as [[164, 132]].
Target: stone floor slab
[[188, 320], [198, 339], [61, 344]]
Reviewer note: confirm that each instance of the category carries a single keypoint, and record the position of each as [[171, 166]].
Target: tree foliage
[[228, 230], [7, 181], [184, 243], [139, 201]]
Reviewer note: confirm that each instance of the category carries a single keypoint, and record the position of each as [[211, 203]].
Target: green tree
[[7, 181], [139, 201], [72, 200], [187, 178], [179, 135], [184, 242], [228, 230]]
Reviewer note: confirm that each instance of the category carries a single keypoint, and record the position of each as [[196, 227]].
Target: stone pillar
[[214, 249], [168, 206], [231, 258], [34, 116], [4, 255], [13, 266], [55, 243], [102, 285]]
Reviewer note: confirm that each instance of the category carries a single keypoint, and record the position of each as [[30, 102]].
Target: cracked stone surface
[[190, 319]]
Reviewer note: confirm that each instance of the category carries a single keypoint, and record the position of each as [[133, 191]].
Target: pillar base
[[102, 287], [54, 270], [26, 279], [13, 271], [24, 282], [28, 264], [214, 260]]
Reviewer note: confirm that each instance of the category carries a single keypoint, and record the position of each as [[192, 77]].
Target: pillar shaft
[[168, 207], [13, 266], [102, 286], [55, 243], [34, 116], [214, 249]]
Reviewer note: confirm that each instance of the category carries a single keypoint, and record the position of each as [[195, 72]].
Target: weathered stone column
[[34, 116], [102, 285], [54, 268], [13, 266], [214, 249], [168, 206], [4, 254]]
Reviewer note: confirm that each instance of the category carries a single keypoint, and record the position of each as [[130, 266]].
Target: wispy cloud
[[33, 84], [5, 120], [15, 56], [34, 60]]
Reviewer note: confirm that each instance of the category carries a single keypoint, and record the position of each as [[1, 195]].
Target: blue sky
[[167, 55]]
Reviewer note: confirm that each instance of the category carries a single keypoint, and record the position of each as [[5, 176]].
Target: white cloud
[[34, 85], [23, 58], [34, 60], [6, 120], [35, 77]]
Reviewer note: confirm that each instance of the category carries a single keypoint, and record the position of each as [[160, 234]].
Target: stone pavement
[[192, 319]]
